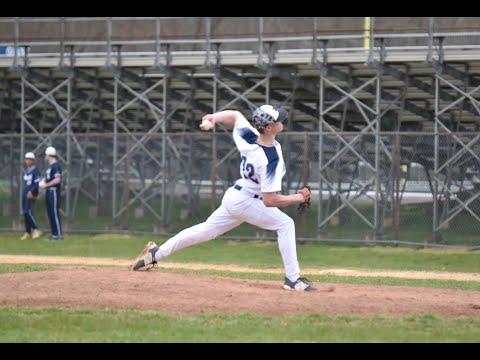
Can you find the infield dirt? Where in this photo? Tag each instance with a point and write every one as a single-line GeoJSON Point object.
{"type": "Point", "coordinates": [190, 294]}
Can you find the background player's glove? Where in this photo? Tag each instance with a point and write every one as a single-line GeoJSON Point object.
{"type": "Point", "coordinates": [32, 198]}
{"type": "Point", "coordinates": [306, 192]}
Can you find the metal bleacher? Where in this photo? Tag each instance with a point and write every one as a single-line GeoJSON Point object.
{"type": "Point", "coordinates": [351, 85]}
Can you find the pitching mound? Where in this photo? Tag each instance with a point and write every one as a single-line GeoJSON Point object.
{"type": "Point", "coordinates": [187, 294]}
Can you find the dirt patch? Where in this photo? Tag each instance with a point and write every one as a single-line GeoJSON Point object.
{"type": "Point", "coordinates": [94, 261]}
{"type": "Point", "coordinates": [188, 294]}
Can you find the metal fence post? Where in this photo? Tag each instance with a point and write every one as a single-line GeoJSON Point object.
{"type": "Point", "coordinates": [305, 175]}
{"type": "Point", "coordinates": [371, 39]}
{"type": "Point", "coordinates": [435, 160]}
{"type": "Point", "coordinates": [164, 149]}
{"type": "Point", "coordinates": [16, 30]}
{"type": "Point", "coordinates": [377, 217]}
{"type": "Point", "coordinates": [69, 153]}
{"type": "Point", "coordinates": [157, 43]}
{"type": "Point", "coordinates": [115, 150]}
{"type": "Point", "coordinates": [397, 187]}
{"type": "Point", "coordinates": [314, 41]}
{"type": "Point", "coordinates": [22, 141]}
{"type": "Point", "coordinates": [320, 152]}
{"type": "Point", "coordinates": [267, 88]}
{"type": "Point", "coordinates": [109, 43]}
{"type": "Point", "coordinates": [62, 42]}
{"type": "Point", "coordinates": [430, 40]}
{"type": "Point", "coordinates": [213, 175]}
{"type": "Point", "coordinates": [208, 29]}
{"type": "Point", "coordinates": [260, 41]}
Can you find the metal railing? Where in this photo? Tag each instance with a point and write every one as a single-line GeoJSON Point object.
{"type": "Point", "coordinates": [306, 35]}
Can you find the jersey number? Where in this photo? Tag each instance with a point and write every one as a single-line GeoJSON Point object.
{"type": "Point", "coordinates": [247, 170]}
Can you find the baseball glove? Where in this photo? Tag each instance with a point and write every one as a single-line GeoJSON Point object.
{"type": "Point", "coordinates": [306, 192]}
{"type": "Point", "coordinates": [32, 198]}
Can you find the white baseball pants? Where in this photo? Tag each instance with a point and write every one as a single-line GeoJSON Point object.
{"type": "Point", "coordinates": [238, 207]}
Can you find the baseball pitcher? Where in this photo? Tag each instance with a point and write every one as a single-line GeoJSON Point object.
{"type": "Point", "coordinates": [254, 198]}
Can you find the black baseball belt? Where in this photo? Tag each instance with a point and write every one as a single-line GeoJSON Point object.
{"type": "Point", "coordinates": [239, 188]}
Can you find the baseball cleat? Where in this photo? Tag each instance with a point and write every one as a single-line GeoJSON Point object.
{"type": "Point", "coordinates": [146, 257]}
{"type": "Point", "coordinates": [25, 236]}
{"type": "Point", "coordinates": [36, 234]}
{"type": "Point", "coordinates": [301, 284]}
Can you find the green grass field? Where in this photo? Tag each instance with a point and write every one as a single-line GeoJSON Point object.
{"type": "Point", "coordinates": [415, 225]}
{"type": "Point", "coordinates": [256, 254]}
{"type": "Point", "coordinates": [24, 324]}
{"type": "Point", "coordinates": [14, 268]}
{"type": "Point", "coordinates": [107, 325]}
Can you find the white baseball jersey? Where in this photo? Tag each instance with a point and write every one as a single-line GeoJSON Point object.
{"type": "Point", "coordinates": [262, 167]}
{"type": "Point", "coordinates": [261, 170]}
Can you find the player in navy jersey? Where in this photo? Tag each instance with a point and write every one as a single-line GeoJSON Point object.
{"type": "Point", "coordinates": [52, 183]}
{"type": "Point", "coordinates": [31, 178]}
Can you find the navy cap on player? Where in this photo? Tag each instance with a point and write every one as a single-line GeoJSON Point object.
{"type": "Point", "coordinates": [282, 114]}
{"type": "Point", "coordinates": [267, 114]}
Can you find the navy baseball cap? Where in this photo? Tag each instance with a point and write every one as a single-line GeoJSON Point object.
{"type": "Point", "coordinates": [282, 114]}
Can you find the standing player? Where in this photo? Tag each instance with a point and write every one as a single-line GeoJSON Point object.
{"type": "Point", "coordinates": [253, 199]}
{"type": "Point", "coordinates": [31, 178]}
{"type": "Point", "coordinates": [51, 183]}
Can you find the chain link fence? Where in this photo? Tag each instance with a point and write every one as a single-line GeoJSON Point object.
{"type": "Point", "coordinates": [136, 190]}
